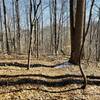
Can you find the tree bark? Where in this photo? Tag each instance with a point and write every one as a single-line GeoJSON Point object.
{"type": "Point", "coordinates": [51, 29]}
{"type": "Point", "coordinates": [17, 25]}
{"type": "Point", "coordinates": [77, 31]}
{"type": "Point", "coordinates": [54, 25]}
{"type": "Point", "coordinates": [30, 39]}
{"type": "Point", "coordinates": [5, 25]}
{"type": "Point", "coordinates": [1, 30]}
{"type": "Point", "coordinates": [13, 11]}
{"type": "Point", "coordinates": [32, 24]}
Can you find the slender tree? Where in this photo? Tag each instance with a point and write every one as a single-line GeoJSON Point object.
{"type": "Point", "coordinates": [32, 24]}
{"type": "Point", "coordinates": [13, 12]}
{"type": "Point", "coordinates": [5, 26]}
{"type": "Point", "coordinates": [27, 35]}
{"type": "Point", "coordinates": [42, 24]}
{"type": "Point", "coordinates": [98, 38]}
{"type": "Point", "coordinates": [1, 29]}
{"type": "Point", "coordinates": [51, 29]}
{"type": "Point", "coordinates": [31, 27]}
{"type": "Point", "coordinates": [17, 25]}
{"type": "Point", "coordinates": [54, 25]}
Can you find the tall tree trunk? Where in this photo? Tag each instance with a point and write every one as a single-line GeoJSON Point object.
{"type": "Point", "coordinates": [30, 39]}
{"type": "Point", "coordinates": [17, 25]}
{"type": "Point", "coordinates": [54, 25]}
{"type": "Point", "coordinates": [76, 50]}
{"type": "Point", "coordinates": [51, 30]}
{"type": "Point", "coordinates": [27, 35]}
{"type": "Point", "coordinates": [72, 29]}
{"type": "Point", "coordinates": [98, 39]}
{"type": "Point", "coordinates": [5, 25]}
{"type": "Point", "coordinates": [42, 32]}
{"type": "Point", "coordinates": [77, 30]}
{"type": "Point", "coordinates": [32, 24]}
{"type": "Point", "coordinates": [37, 38]}
{"type": "Point", "coordinates": [13, 11]}
{"type": "Point", "coordinates": [1, 30]}
{"type": "Point", "coordinates": [60, 28]}
{"type": "Point", "coordinates": [34, 8]}
{"type": "Point", "coordinates": [99, 35]}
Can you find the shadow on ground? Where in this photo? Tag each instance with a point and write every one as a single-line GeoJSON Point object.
{"type": "Point", "coordinates": [58, 81]}
{"type": "Point", "coordinates": [16, 64]}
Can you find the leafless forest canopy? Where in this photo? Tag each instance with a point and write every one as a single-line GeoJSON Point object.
{"type": "Point", "coordinates": [51, 29]}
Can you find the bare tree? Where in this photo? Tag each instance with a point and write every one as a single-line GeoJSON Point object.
{"type": "Point", "coordinates": [83, 42]}
{"type": "Point", "coordinates": [32, 24]}
{"type": "Point", "coordinates": [98, 38]}
{"type": "Point", "coordinates": [54, 24]}
{"type": "Point", "coordinates": [5, 25]}
{"type": "Point", "coordinates": [17, 25]}
{"type": "Point", "coordinates": [76, 32]}
{"type": "Point", "coordinates": [1, 29]}
{"type": "Point", "coordinates": [13, 11]}
{"type": "Point", "coordinates": [51, 29]}
{"type": "Point", "coordinates": [42, 32]}
{"type": "Point", "coordinates": [27, 35]}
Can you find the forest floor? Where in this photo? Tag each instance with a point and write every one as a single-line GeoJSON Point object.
{"type": "Point", "coordinates": [61, 82]}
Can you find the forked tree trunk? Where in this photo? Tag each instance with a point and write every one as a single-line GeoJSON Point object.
{"type": "Point", "coordinates": [32, 24]}
{"type": "Point", "coordinates": [76, 32]}
{"type": "Point", "coordinates": [79, 22]}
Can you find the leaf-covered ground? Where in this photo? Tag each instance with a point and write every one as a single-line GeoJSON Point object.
{"type": "Point", "coordinates": [61, 82]}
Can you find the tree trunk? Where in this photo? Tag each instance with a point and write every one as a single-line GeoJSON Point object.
{"type": "Point", "coordinates": [5, 25]}
{"type": "Point", "coordinates": [17, 25]}
{"type": "Point", "coordinates": [37, 39]}
{"type": "Point", "coordinates": [32, 24]}
{"type": "Point", "coordinates": [30, 39]}
{"type": "Point", "coordinates": [1, 30]}
{"type": "Point", "coordinates": [13, 11]}
{"type": "Point", "coordinates": [77, 30]}
{"type": "Point", "coordinates": [54, 25]}
{"type": "Point", "coordinates": [51, 30]}
{"type": "Point", "coordinates": [42, 24]}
